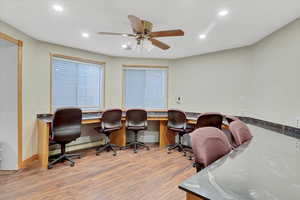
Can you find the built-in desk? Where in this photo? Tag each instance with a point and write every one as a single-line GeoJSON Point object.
{"type": "Point", "coordinates": [265, 169]}
{"type": "Point", "coordinates": [118, 137]}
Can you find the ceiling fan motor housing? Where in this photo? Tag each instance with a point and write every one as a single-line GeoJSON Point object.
{"type": "Point", "coordinates": [147, 26]}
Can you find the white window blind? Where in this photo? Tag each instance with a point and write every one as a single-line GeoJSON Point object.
{"type": "Point", "coordinates": [76, 84]}
{"type": "Point", "coordinates": [145, 88]}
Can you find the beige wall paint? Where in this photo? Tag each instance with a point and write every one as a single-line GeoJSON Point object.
{"type": "Point", "coordinates": [36, 79]}
{"type": "Point", "coordinates": [275, 86]}
{"type": "Point", "coordinates": [212, 82]}
{"type": "Point", "coordinates": [259, 81]}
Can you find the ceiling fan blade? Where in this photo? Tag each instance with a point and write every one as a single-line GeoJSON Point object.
{"type": "Point", "coordinates": [159, 44]}
{"type": "Point", "coordinates": [168, 33]}
{"type": "Point", "coordinates": [121, 34]}
{"type": "Point", "coordinates": [136, 24]}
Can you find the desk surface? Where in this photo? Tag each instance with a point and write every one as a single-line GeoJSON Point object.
{"type": "Point", "coordinates": [90, 116]}
{"type": "Point", "coordinates": [266, 168]}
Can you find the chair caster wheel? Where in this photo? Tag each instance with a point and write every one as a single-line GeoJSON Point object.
{"type": "Point", "coordinates": [135, 151]}
{"type": "Point", "coordinates": [169, 152]}
{"type": "Point", "coordinates": [50, 167]}
{"type": "Point", "coordinates": [97, 154]}
{"type": "Point", "coordinates": [184, 155]}
{"type": "Point", "coordinates": [190, 158]}
{"type": "Point", "coordinates": [114, 154]}
{"type": "Point", "coordinates": [148, 148]}
{"type": "Point", "coordinates": [72, 165]}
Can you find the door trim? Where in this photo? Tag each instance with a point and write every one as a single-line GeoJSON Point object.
{"type": "Point", "coordinates": [19, 43]}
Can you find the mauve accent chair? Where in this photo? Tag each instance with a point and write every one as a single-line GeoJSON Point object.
{"type": "Point", "coordinates": [136, 121]}
{"type": "Point", "coordinates": [210, 119]}
{"type": "Point", "coordinates": [208, 144]}
{"type": "Point", "coordinates": [66, 127]}
{"type": "Point", "coordinates": [240, 132]}
{"type": "Point", "coordinates": [177, 122]}
{"type": "Point", "coordinates": [111, 122]}
{"type": "Point", "coordinates": [230, 118]}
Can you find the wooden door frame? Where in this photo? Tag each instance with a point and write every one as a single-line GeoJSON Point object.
{"type": "Point", "coordinates": [19, 43]}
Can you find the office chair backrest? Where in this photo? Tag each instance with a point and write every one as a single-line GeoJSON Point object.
{"type": "Point", "coordinates": [240, 132]}
{"type": "Point", "coordinates": [136, 117]}
{"type": "Point", "coordinates": [210, 120]}
{"type": "Point", "coordinates": [209, 144]}
{"type": "Point", "coordinates": [230, 118]}
{"type": "Point", "coordinates": [111, 119]}
{"type": "Point", "coordinates": [176, 119]}
{"type": "Point", "coordinates": [66, 124]}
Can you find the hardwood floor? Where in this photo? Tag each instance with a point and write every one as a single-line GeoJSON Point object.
{"type": "Point", "coordinates": [147, 175]}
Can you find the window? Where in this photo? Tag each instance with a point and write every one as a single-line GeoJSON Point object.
{"type": "Point", "coordinates": [76, 84]}
{"type": "Point", "coordinates": [145, 87]}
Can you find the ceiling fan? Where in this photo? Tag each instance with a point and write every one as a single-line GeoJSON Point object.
{"type": "Point", "coordinates": [142, 31]}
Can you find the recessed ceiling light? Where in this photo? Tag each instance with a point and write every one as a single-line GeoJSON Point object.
{"type": "Point", "coordinates": [124, 46]}
{"type": "Point", "coordinates": [85, 35]}
{"type": "Point", "coordinates": [202, 36]}
{"type": "Point", "coordinates": [223, 13]}
{"type": "Point", "coordinates": [57, 8]}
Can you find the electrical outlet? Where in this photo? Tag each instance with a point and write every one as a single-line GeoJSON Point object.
{"type": "Point", "coordinates": [179, 100]}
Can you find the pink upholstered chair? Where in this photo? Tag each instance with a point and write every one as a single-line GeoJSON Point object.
{"type": "Point", "coordinates": [240, 132]}
{"type": "Point", "coordinates": [208, 144]}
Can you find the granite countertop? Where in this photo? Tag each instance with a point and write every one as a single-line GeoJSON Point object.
{"type": "Point", "coordinates": [86, 116]}
{"type": "Point", "coordinates": [266, 168]}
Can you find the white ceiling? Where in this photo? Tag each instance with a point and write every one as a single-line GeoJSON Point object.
{"type": "Point", "coordinates": [247, 22]}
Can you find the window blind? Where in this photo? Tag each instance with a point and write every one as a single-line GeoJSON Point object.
{"type": "Point", "coordinates": [76, 84]}
{"type": "Point", "coordinates": [145, 88]}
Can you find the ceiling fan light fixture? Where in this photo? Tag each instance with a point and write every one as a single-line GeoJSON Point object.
{"type": "Point", "coordinates": [57, 8]}
{"type": "Point", "coordinates": [148, 45]}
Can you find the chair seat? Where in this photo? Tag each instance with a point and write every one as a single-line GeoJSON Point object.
{"type": "Point", "coordinates": [181, 130]}
{"type": "Point", "coordinates": [136, 128]}
{"type": "Point", "coordinates": [107, 130]}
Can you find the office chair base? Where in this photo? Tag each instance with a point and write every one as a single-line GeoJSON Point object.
{"type": "Point", "coordinates": [64, 157]}
{"type": "Point", "coordinates": [136, 145]}
{"type": "Point", "coordinates": [107, 147]}
{"type": "Point", "coordinates": [178, 146]}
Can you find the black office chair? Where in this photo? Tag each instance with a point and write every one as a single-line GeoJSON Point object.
{"type": "Point", "coordinates": [66, 127]}
{"type": "Point", "coordinates": [177, 123]}
{"type": "Point", "coordinates": [136, 120]}
{"type": "Point", "coordinates": [210, 120]}
{"type": "Point", "coordinates": [111, 121]}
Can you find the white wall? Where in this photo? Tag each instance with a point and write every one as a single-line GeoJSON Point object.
{"type": "Point", "coordinates": [36, 80]}
{"type": "Point", "coordinates": [212, 82]}
{"type": "Point", "coordinates": [9, 106]}
{"type": "Point", "coordinates": [275, 85]}
{"type": "Point", "coordinates": [260, 80]}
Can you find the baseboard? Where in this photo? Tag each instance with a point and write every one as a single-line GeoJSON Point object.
{"type": "Point", "coordinates": [7, 172]}
{"type": "Point", "coordinates": [78, 147]}
{"type": "Point", "coordinates": [29, 161]}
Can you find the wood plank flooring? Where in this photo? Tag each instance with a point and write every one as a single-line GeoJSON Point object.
{"type": "Point", "coordinates": [147, 175]}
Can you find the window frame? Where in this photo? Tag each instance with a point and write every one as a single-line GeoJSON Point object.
{"type": "Point", "coordinates": [125, 66]}
{"type": "Point", "coordinates": [84, 61]}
